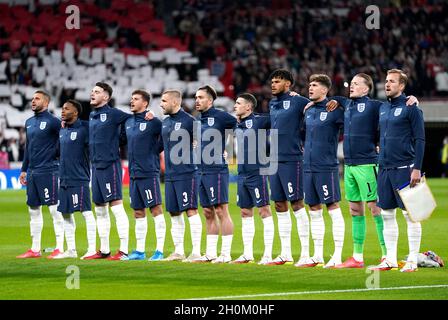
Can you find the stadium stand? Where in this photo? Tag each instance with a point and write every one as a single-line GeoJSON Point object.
{"type": "Point", "coordinates": [231, 45]}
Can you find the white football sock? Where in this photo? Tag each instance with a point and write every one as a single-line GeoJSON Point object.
{"type": "Point", "coordinates": [36, 225]}
{"type": "Point", "coordinates": [103, 225]}
{"type": "Point", "coordinates": [284, 230]}
{"type": "Point", "coordinates": [141, 229]}
{"type": "Point", "coordinates": [338, 233]}
{"type": "Point", "coordinates": [196, 233]}
{"type": "Point", "coordinates": [303, 229]}
{"type": "Point", "coordinates": [248, 233]}
{"type": "Point", "coordinates": [268, 232]}
{"type": "Point", "coordinates": [226, 245]}
{"type": "Point", "coordinates": [69, 231]}
{"type": "Point", "coordinates": [160, 226]}
{"type": "Point", "coordinates": [318, 232]}
{"type": "Point", "coordinates": [122, 221]}
{"type": "Point", "coordinates": [58, 224]}
{"type": "Point", "coordinates": [390, 233]}
{"type": "Point", "coordinates": [178, 233]}
{"type": "Point", "coordinates": [212, 244]}
{"type": "Point", "coordinates": [414, 237]}
{"type": "Point", "coordinates": [91, 230]}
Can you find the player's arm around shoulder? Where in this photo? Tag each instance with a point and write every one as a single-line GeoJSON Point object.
{"type": "Point", "coordinates": [300, 102]}
{"type": "Point", "coordinates": [119, 116]}
{"type": "Point", "coordinates": [229, 120]}
{"type": "Point", "coordinates": [56, 124]}
{"type": "Point", "coordinates": [415, 116]}
{"type": "Point", "coordinates": [156, 124]}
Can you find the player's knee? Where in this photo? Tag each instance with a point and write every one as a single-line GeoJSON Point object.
{"type": "Point", "coordinates": [246, 213]}
{"type": "Point", "coordinates": [374, 209]}
{"type": "Point", "coordinates": [222, 212]}
{"type": "Point", "coordinates": [265, 212]}
{"type": "Point", "coordinates": [115, 202]}
{"type": "Point", "coordinates": [192, 212]}
{"type": "Point", "coordinates": [139, 213]}
{"type": "Point", "coordinates": [209, 213]}
{"type": "Point", "coordinates": [281, 206]}
{"type": "Point", "coordinates": [357, 209]}
{"type": "Point", "coordinates": [156, 211]}
{"type": "Point", "coordinates": [297, 205]}
{"type": "Point", "coordinates": [332, 206]}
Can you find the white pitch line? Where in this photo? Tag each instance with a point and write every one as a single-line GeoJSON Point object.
{"type": "Point", "coordinates": [298, 293]}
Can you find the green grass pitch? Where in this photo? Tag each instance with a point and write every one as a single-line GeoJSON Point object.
{"type": "Point", "coordinates": [46, 279]}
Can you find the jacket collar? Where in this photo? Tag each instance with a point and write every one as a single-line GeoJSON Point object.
{"type": "Point", "coordinates": [75, 124]}
{"type": "Point", "coordinates": [400, 100]}
{"type": "Point", "coordinates": [208, 113]}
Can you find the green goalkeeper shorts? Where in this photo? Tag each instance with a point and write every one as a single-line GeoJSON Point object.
{"type": "Point", "coordinates": [360, 182]}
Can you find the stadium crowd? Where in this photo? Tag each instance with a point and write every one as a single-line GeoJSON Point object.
{"type": "Point", "coordinates": [239, 42]}
{"type": "Point", "coordinates": [320, 38]}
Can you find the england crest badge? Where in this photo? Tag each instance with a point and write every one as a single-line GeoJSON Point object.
{"type": "Point", "coordinates": [43, 125]}
{"type": "Point", "coordinates": [210, 122]}
{"type": "Point", "coordinates": [286, 104]}
{"type": "Point", "coordinates": [323, 116]}
{"type": "Point", "coordinates": [143, 126]}
{"type": "Point", "coordinates": [361, 107]}
{"type": "Point", "coordinates": [397, 112]}
{"type": "Point", "coordinates": [177, 125]}
{"type": "Point", "coordinates": [103, 117]}
{"type": "Point", "coordinates": [73, 136]}
{"type": "Point", "coordinates": [249, 124]}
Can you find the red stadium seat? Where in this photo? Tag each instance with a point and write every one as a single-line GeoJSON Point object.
{"type": "Point", "coordinates": [15, 45]}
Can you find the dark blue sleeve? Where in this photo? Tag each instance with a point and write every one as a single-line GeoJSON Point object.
{"type": "Point", "coordinates": [343, 101]}
{"type": "Point", "coordinates": [157, 125]}
{"type": "Point", "coordinates": [85, 124]}
{"type": "Point", "coordinates": [229, 121]}
{"type": "Point", "coordinates": [302, 102]}
{"type": "Point", "coordinates": [189, 125]}
{"type": "Point", "coordinates": [302, 130]}
{"type": "Point", "coordinates": [122, 139]}
{"type": "Point", "coordinates": [58, 148]}
{"type": "Point", "coordinates": [264, 120]}
{"type": "Point", "coordinates": [56, 125]}
{"type": "Point", "coordinates": [26, 160]}
{"type": "Point", "coordinates": [160, 146]}
{"type": "Point", "coordinates": [418, 133]}
{"type": "Point", "coordinates": [376, 103]}
{"type": "Point", "coordinates": [340, 118]}
{"type": "Point", "coordinates": [120, 116]}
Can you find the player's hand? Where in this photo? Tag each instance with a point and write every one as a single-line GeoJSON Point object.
{"type": "Point", "coordinates": [309, 105]}
{"type": "Point", "coordinates": [411, 100]}
{"type": "Point", "coordinates": [332, 105]}
{"type": "Point", "coordinates": [22, 178]}
{"type": "Point", "coordinates": [416, 176]}
{"type": "Point", "coordinates": [62, 124]}
{"type": "Point", "coordinates": [377, 149]}
{"type": "Point", "coordinates": [293, 94]}
{"type": "Point", "coordinates": [149, 116]}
